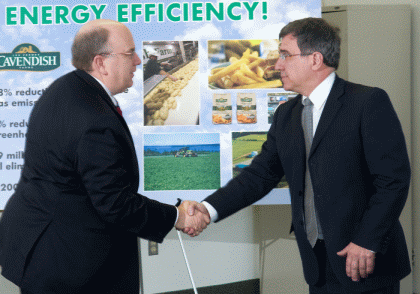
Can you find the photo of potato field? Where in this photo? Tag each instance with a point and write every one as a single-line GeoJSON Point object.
{"type": "Point", "coordinates": [245, 146]}
{"type": "Point", "coordinates": [181, 167]}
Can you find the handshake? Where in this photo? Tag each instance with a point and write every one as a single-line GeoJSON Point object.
{"type": "Point", "coordinates": [193, 218]}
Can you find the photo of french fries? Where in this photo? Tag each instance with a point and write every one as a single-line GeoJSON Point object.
{"type": "Point", "coordinates": [247, 64]}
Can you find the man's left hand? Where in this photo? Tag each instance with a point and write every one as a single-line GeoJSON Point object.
{"type": "Point", "coordinates": [360, 261]}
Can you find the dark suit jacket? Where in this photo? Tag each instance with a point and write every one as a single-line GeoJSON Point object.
{"type": "Point", "coordinates": [360, 175]}
{"type": "Point", "coordinates": [72, 224]}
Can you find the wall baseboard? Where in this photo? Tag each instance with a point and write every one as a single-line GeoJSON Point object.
{"type": "Point", "coordinates": [242, 287]}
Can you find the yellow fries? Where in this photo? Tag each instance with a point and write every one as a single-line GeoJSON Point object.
{"type": "Point", "coordinates": [256, 63]}
{"type": "Point", "coordinates": [242, 79]}
{"type": "Point", "coordinates": [227, 70]}
{"type": "Point", "coordinates": [260, 71]}
{"type": "Point", "coordinates": [215, 70]}
{"type": "Point", "coordinates": [248, 72]}
{"type": "Point", "coordinates": [269, 84]}
{"type": "Point", "coordinates": [233, 59]}
{"type": "Point", "coordinates": [244, 73]}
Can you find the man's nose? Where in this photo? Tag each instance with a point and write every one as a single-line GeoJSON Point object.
{"type": "Point", "coordinates": [279, 64]}
{"type": "Point", "coordinates": [137, 59]}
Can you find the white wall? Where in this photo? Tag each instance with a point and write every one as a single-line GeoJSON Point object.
{"type": "Point", "coordinates": [254, 243]}
{"type": "Point", "coordinates": [280, 263]}
{"type": "Point", "coordinates": [7, 287]}
{"type": "Point", "coordinates": [226, 252]}
{"type": "Point", "coordinates": [415, 113]}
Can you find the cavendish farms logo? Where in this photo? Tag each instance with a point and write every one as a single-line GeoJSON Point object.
{"type": "Point", "coordinates": [27, 57]}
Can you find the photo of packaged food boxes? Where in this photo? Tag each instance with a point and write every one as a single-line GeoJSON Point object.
{"type": "Point", "coordinates": [222, 109]}
{"type": "Point", "coordinates": [246, 108]}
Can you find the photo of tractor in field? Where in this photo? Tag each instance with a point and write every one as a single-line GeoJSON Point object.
{"type": "Point", "coordinates": [165, 169]}
{"type": "Point", "coordinates": [184, 152]}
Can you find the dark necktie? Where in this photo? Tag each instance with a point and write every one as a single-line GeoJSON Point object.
{"type": "Point", "coordinates": [311, 222]}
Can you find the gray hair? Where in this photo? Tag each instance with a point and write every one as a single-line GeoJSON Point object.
{"type": "Point", "coordinates": [315, 35]}
{"type": "Point", "coordinates": [87, 45]}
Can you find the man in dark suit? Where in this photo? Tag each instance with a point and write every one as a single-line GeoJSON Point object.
{"type": "Point", "coordinates": [73, 222]}
{"type": "Point", "coordinates": [344, 155]}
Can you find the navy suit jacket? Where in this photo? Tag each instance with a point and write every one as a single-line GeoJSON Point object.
{"type": "Point", "coordinates": [360, 174]}
{"type": "Point", "coordinates": [72, 224]}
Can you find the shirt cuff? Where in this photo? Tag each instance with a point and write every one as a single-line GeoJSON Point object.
{"type": "Point", "coordinates": [213, 213]}
{"type": "Point", "coordinates": [177, 215]}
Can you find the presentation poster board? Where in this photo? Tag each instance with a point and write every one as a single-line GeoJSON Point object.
{"type": "Point", "coordinates": [222, 54]}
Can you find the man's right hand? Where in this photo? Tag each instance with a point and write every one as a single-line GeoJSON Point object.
{"type": "Point", "coordinates": [195, 208]}
{"type": "Point", "coordinates": [192, 221]}
{"type": "Point", "coordinates": [173, 78]}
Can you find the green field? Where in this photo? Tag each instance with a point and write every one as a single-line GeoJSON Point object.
{"type": "Point", "coordinates": [182, 173]}
{"type": "Point", "coordinates": [243, 146]}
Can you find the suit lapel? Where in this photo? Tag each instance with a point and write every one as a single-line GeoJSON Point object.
{"type": "Point", "coordinates": [332, 105]}
{"type": "Point", "coordinates": [98, 88]}
{"type": "Point", "coordinates": [298, 141]}
{"type": "Point", "coordinates": [104, 95]}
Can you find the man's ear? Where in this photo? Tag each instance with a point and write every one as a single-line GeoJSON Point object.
{"type": "Point", "coordinates": [317, 60]}
{"type": "Point", "coordinates": [99, 65]}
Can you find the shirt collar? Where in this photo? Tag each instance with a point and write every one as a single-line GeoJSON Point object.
{"type": "Point", "coordinates": [107, 91]}
{"type": "Point", "coordinates": [321, 92]}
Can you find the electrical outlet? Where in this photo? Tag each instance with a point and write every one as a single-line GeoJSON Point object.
{"type": "Point", "coordinates": [153, 248]}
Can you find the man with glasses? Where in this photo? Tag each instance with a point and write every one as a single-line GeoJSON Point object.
{"type": "Point", "coordinates": [343, 152]}
{"type": "Point", "coordinates": [72, 224]}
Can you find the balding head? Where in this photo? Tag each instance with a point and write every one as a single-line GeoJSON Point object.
{"type": "Point", "coordinates": [106, 50]}
{"type": "Point", "coordinates": [91, 40]}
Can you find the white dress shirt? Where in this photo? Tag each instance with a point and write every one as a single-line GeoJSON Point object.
{"type": "Point", "coordinates": [319, 97]}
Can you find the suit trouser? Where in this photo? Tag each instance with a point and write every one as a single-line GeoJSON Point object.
{"type": "Point", "coordinates": [328, 283]}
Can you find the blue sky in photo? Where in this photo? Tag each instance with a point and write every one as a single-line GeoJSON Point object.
{"type": "Point", "coordinates": [161, 139]}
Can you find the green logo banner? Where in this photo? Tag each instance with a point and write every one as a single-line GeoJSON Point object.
{"type": "Point", "coordinates": [27, 57]}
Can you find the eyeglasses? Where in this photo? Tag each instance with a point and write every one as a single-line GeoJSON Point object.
{"type": "Point", "coordinates": [130, 54]}
{"type": "Point", "coordinates": [284, 55]}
